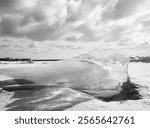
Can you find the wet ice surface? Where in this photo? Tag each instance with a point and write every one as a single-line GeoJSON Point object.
{"type": "Point", "coordinates": [62, 97]}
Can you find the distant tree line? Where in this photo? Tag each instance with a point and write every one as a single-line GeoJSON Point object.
{"type": "Point", "coordinates": [140, 59]}
{"type": "Point", "coordinates": [132, 59]}
{"type": "Point", "coordinates": [16, 59]}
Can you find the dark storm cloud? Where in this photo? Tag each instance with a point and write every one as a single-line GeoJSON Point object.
{"type": "Point", "coordinates": [8, 3]}
{"type": "Point", "coordinates": [8, 26]}
{"type": "Point", "coordinates": [9, 6]}
{"type": "Point", "coordinates": [33, 22]}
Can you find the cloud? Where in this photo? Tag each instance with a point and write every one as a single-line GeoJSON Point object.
{"type": "Point", "coordinates": [88, 33]}
{"type": "Point", "coordinates": [5, 45]}
{"type": "Point", "coordinates": [43, 20]}
{"type": "Point", "coordinates": [72, 38]}
{"type": "Point", "coordinates": [33, 45]}
{"type": "Point", "coordinates": [145, 44]}
{"type": "Point", "coordinates": [74, 7]}
{"type": "Point", "coordinates": [36, 22]}
{"type": "Point", "coordinates": [35, 14]}
{"type": "Point", "coordinates": [115, 34]}
{"type": "Point", "coordinates": [146, 26]}
{"type": "Point", "coordinates": [9, 6]}
{"type": "Point", "coordinates": [76, 20]}
{"type": "Point", "coordinates": [8, 26]}
{"type": "Point", "coordinates": [121, 9]}
{"type": "Point", "coordinates": [146, 23]}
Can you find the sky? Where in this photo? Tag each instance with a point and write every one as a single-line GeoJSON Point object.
{"type": "Point", "coordinates": [66, 28]}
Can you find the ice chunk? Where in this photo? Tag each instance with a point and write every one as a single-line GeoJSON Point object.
{"type": "Point", "coordinates": [108, 70]}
